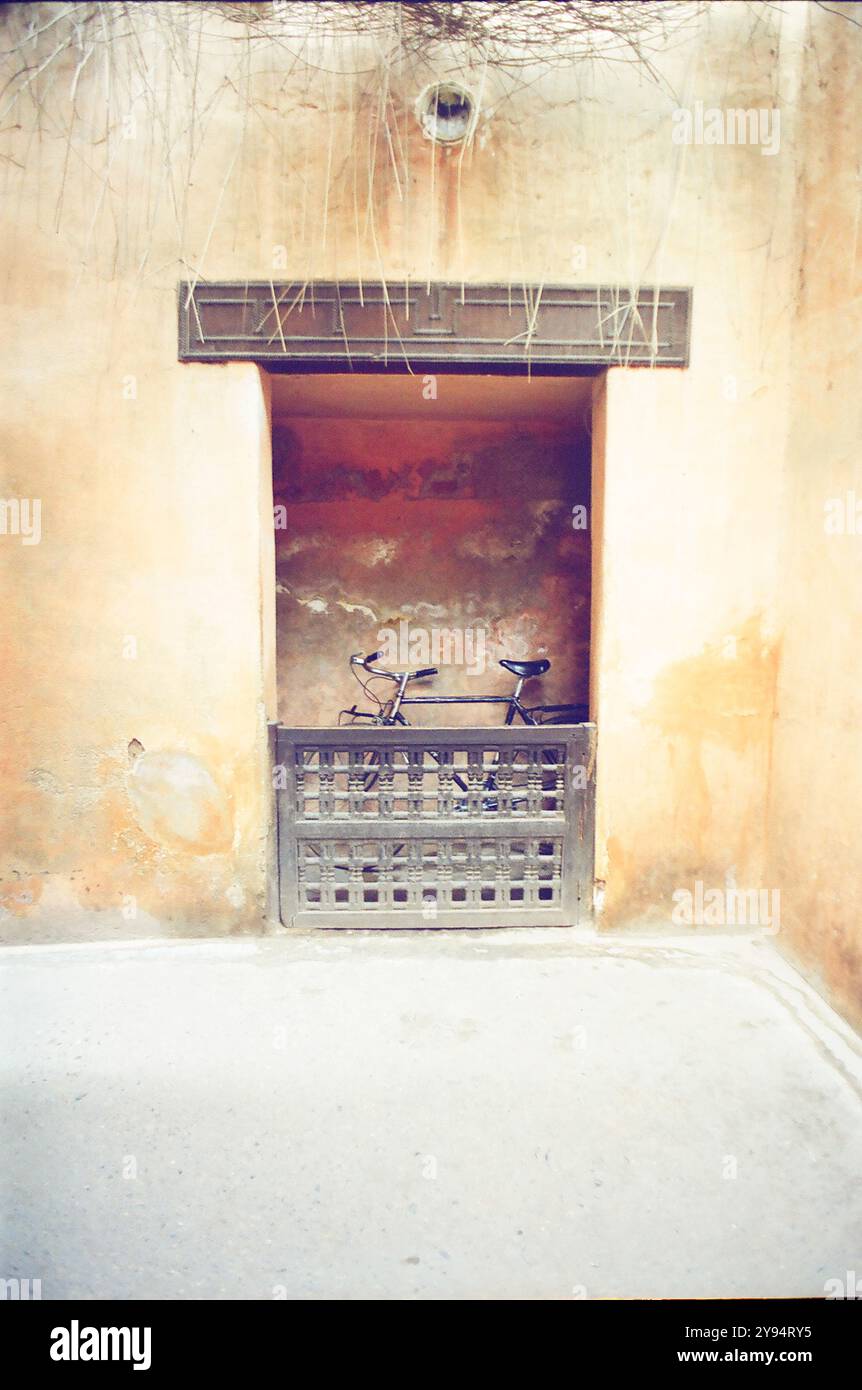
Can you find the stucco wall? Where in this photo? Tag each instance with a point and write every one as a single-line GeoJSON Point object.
{"type": "Point", "coordinates": [135, 695]}
{"type": "Point", "coordinates": [686, 664]}
{"type": "Point", "coordinates": [815, 805]}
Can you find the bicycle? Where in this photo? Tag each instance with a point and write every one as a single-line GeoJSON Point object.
{"type": "Point", "coordinates": [389, 712]}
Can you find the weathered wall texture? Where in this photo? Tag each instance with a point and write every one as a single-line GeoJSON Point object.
{"type": "Point", "coordinates": [686, 664]}
{"type": "Point", "coordinates": [457, 539]}
{"type": "Point", "coordinates": [134, 621]}
{"type": "Point", "coordinates": [815, 802]}
{"type": "Point", "coordinates": [723, 678]}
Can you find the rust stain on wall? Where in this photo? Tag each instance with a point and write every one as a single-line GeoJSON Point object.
{"type": "Point", "coordinates": [724, 695]}
{"type": "Point", "coordinates": [714, 711]}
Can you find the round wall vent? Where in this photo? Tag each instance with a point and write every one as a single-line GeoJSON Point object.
{"type": "Point", "coordinates": [447, 112]}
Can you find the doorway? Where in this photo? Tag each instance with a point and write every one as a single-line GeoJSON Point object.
{"type": "Point", "coordinates": [442, 521]}
{"type": "Point", "coordinates": [384, 338]}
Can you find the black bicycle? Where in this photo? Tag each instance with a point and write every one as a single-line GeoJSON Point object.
{"type": "Point", "coordinates": [389, 713]}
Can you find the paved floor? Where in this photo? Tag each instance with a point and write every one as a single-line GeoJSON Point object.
{"type": "Point", "coordinates": [440, 1115]}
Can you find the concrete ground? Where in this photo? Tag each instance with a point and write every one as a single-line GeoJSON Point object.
{"type": "Point", "coordinates": [522, 1114]}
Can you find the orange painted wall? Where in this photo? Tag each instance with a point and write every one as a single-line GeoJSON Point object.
{"type": "Point", "coordinates": [815, 793]}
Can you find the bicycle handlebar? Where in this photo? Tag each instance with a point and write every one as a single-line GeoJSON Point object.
{"type": "Point", "coordinates": [365, 661]}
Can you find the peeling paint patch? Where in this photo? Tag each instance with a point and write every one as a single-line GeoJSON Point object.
{"type": "Point", "coordinates": [376, 552]}
{"type": "Point", "coordinates": [178, 803]}
{"type": "Point", "coordinates": [17, 897]}
{"type": "Point", "coordinates": [317, 605]}
{"type": "Point", "coordinates": [358, 608]}
{"type": "Point", "coordinates": [297, 544]}
{"type": "Point", "coordinates": [46, 781]}
{"type": "Point", "coordinates": [430, 610]}
{"type": "Point", "coordinates": [235, 895]}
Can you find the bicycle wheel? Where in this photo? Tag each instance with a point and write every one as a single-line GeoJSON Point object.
{"type": "Point", "coordinates": [561, 714]}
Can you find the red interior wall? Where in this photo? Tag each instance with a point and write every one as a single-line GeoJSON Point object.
{"type": "Point", "coordinates": [463, 525]}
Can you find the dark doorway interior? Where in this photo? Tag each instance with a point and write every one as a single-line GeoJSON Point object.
{"type": "Point", "coordinates": [438, 513]}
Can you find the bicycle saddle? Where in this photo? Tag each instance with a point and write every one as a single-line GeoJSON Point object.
{"type": "Point", "coordinates": [527, 668]}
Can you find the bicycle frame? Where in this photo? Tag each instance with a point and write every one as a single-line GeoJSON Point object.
{"type": "Point", "coordinates": [394, 715]}
{"type": "Point", "coordinates": [389, 711]}
{"type": "Point", "coordinates": [513, 701]}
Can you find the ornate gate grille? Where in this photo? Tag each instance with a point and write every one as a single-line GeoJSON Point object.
{"type": "Point", "coordinates": [435, 828]}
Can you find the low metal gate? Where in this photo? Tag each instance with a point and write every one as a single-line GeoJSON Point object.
{"type": "Point", "coordinates": [405, 827]}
